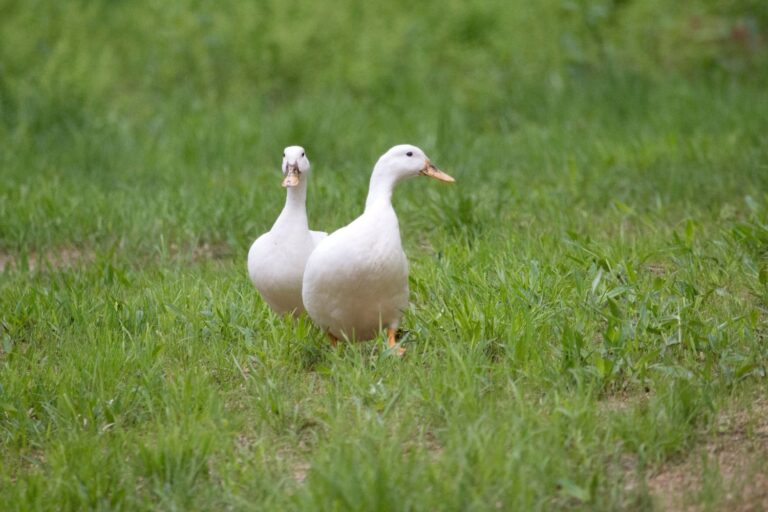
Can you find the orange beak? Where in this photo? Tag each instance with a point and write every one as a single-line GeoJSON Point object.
{"type": "Point", "coordinates": [433, 172]}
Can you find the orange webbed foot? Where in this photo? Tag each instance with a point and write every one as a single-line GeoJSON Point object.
{"type": "Point", "coordinates": [392, 342]}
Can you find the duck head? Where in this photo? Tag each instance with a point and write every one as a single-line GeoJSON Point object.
{"type": "Point", "coordinates": [406, 161]}
{"type": "Point", "coordinates": [295, 165]}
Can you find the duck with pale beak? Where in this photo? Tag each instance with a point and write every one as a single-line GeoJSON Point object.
{"type": "Point", "coordinates": [291, 168]}
{"type": "Point", "coordinates": [277, 258]}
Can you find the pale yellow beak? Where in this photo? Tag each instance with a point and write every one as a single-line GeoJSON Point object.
{"type": "Point", "coordinates": [292, 176]}
{"type": "Point", "coordinates": [433, 172]}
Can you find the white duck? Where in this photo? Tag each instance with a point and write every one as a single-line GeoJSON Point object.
{"type": "Point", "coordinates": [276, 259]}
{"type": "Point", "coordinates": [356, 280]}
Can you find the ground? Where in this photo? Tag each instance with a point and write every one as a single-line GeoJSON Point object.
{"type": "Point", "coordinates": [588, 301]}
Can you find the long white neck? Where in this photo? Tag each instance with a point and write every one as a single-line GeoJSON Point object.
{"type": "Point", "coordinates": [381, 186]}
{"type": "Point", "coordinates": [294, 214]}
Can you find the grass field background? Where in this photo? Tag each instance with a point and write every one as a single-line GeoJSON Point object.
{"type": "Point", "coordinates": [588, 302]}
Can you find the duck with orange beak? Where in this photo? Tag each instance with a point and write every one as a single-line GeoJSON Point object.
{"type": "Point", "coordinates": [356, 280]}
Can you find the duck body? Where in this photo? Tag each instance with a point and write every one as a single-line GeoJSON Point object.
{"type": "Point", "coordinates": [276, 260]}
{"type": "Point", "coordinates": [368, 288]}
{"type": "Point", "coordinates": [276, 263]}
{"type": "Point", "coordinates": [356, 280]}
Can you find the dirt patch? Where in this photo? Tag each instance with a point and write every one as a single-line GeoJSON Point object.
{"type": "Point", "coordinates": [428, 442]}
{"type": "Point", "coordinates": [62, 257]}
{"type": "Point", "coordinates": [656, 269]}
{"type": "Point", "coordinates": [300, 470]}
{"type": "Point", "coordinates": [200, 252]}
{"type": "Point", "coordinates": [295, 463]}
{"type": "Point", "coordinates": [5, 260]}
{"type": "Point", "coordinates": [70, 257]}
{"type": "Point", "coordinates": [735, 459]}
{"type": "Point", "coordinates": [622, 401]}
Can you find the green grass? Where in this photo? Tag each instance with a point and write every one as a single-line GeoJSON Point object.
{"type": "Point", "coordinates": [588, 300]}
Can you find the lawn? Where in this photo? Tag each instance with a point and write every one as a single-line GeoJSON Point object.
{"type": "Point", "coordinates": [589, 301]}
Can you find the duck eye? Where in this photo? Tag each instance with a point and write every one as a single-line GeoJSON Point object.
{"type": "Point", "coordinates": [410, 153]}
{"type": "Point", "coordinates": [302, 154]}
{"type": "Point", "coordinates": [283, 155]}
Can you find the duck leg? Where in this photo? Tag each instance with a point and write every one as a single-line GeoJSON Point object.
{"type": "Point", "coordinates": [392, 342]}
{"type": "Point", "coordinates": [334, 340]}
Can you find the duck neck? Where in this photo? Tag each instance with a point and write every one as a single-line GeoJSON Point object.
{"type": "Point", "coordinates": [380, 189]}
{"type": "Point", "coordinates": [294, 212]}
